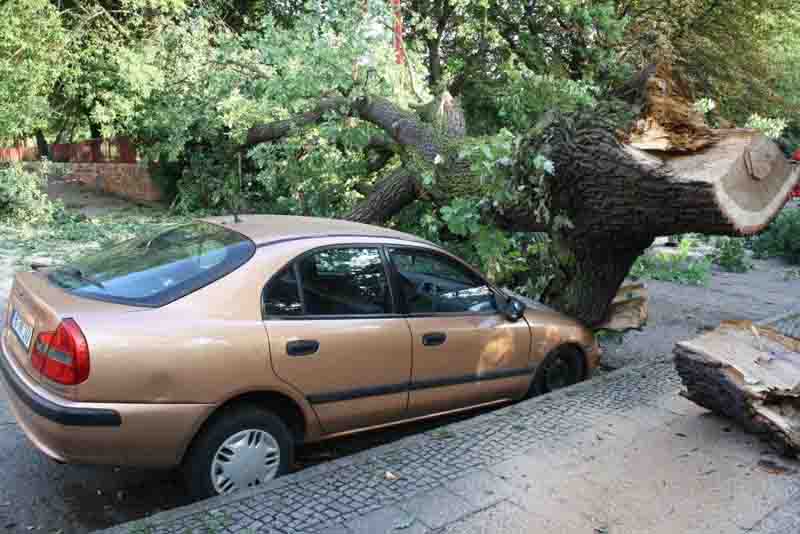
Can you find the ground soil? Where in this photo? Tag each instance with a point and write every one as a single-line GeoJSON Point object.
{"type": "Point", "coordinates": [78, 197]}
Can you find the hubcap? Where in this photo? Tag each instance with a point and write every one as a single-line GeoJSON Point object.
{"type": "Point", "coordinates": [245, 460]}
{"type": "Point", "coordinates": [558, 374]}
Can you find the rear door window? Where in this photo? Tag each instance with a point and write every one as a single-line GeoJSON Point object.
{"type": "Point", "coordinates": [157, 269]}
{"type": "Point", "coordinates": [348, 281]}
{"type": "Point", "coordinates": [344, 281]}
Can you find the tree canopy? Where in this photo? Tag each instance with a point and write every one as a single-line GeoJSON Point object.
{"type": "Point", "coordinates": [301, 107]}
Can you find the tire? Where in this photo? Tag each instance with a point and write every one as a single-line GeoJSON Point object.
{"type": "Point", "coordinates": [571, 363]}
{"type": "Point", "coordinates": [255, 434]}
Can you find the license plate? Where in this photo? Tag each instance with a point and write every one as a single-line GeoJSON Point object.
{"type": "Point", "coordinates": [22, 329]}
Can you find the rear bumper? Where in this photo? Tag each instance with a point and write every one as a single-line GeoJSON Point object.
{"type": "Point", "coordinates": [143, 435]}
{"type": "Point", "coordinates": [50, 410]}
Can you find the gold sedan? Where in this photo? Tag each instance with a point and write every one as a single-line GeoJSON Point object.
{"type": "Point", "coordinates": [218, 346]}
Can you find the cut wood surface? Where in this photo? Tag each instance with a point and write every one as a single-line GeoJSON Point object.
{"type": "Point", "coordinates": [750, 373]}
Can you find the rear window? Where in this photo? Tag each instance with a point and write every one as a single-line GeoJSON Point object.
{"type": "Point", "coordinates": [157, 269]}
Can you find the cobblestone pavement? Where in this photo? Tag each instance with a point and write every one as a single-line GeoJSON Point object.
{"type": "Point", "coordinates": [354, 494]}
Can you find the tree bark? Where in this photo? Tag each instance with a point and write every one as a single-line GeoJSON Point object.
{"type": "Point", "coordinates": [589, 275]}
{"type": "Point", "coordinates": [279, 129]}
{"type": "Point", "coordinates": [41, 145]}
{"type": "Point", "coordinates": [616, 199]}
{"type": "Point", "coordinates": [379, 152]}
{"type": "Point", "coordinates": [434, 62]}
{"type": "Point", "coordinates": [391, 194]}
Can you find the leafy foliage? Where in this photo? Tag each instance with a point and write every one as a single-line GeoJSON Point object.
{"type": "Point", "coordinates": [68, 235]}
{"type": "Point", "coordinates": [679, 267]}
{"type": "Point", "coordinates": [23, 199]}
{"type": "Point", "coordinates": [784, 50]}
{"type": "Point", "coordinates": [731, 255]}
{"type": "Point", "coordinates": [781, 238]}
{"type": "Point", "coordinates": [187, 78]}
{"type": "Point", "coordinates": [772, 127]}
{"type": "Point", "coordinates": [728, 49]}
{"type": "Point", "coordinates": [31, 42]}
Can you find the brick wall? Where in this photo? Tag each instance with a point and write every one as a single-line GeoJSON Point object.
{"type": "Point", "coordinates": [127, 180]}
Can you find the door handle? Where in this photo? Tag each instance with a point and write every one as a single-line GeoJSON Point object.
{"type": "Point", "coordinates": [302, 347]}
{"type": "Point", "coordinates": [434, 338]}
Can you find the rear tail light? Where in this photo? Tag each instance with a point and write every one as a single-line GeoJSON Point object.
{"type": "Point", "coordinates": [63, 355]}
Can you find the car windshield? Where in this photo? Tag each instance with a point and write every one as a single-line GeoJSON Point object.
{"type": "Point", "coordinates": [157, 269]}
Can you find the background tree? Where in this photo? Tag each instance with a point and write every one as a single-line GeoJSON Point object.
{"type": "Point", "coordinates": [32, 41]}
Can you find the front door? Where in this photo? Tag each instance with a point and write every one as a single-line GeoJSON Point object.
{"type": "Point", "coordinates": [465, 352]}
{"type": "Point", "coordinates": [334, 336]}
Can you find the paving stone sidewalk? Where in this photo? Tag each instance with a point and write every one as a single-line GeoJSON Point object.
{"type": "Point", "coordinates": [468, 474]}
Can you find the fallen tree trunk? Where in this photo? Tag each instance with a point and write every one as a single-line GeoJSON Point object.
{"type": "Point", "coordinates": [609, 195]}
{"type": "Point", "coordinates": [750, 374]}
{"type": "Point", "coordinates": [670, 174]}
{"type": "Point", "coordinates": [617, 199]}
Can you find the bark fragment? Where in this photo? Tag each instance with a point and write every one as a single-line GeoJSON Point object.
{"type": "Point", "coordinates": [628, 310]}
{"type": "Point", "coordinates": [391, 194]}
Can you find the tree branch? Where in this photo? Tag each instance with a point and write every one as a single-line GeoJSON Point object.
{"type": "Point", "coordinates": [405, 127]}
{"type": "Point", "coordinates": [274, 131]}
{"type": "Point", "coordinates": [379, 151]}
{"type": "Point", "coordinates": [391, 194]}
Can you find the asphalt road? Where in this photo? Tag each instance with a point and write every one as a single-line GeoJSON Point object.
{"type": "Point", "coordinates": [40, 495]}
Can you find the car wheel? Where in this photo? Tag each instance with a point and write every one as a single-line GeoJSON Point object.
{"type": "Point", "coordinates": [242, 448]}
{"type": "Point", "coordinates": [561, 368]}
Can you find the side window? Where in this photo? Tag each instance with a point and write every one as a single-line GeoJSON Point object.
{"type": "Point", "coordinates": [431, 283]}
{"type": "Point", "coordinates": [282, 297]}
{"type": "Point", "coordinates": [344, 281]}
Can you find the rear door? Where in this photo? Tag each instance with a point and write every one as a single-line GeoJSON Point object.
{"type": "Point", "coordinates": [334, 335]}
{"type": "Point", "coordinates": [465, 352]}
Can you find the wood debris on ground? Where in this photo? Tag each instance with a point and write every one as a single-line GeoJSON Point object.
{"type": "Point", "coordinates": [628, 309]}
{"type": "Point", "coordinates": [750, 373]}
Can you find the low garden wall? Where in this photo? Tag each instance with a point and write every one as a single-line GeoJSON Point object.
{"type": "Point", "coordinates": [127, 180]}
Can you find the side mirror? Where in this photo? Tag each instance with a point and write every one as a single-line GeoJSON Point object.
{"type": "Point", "coordinates": [514, 310]}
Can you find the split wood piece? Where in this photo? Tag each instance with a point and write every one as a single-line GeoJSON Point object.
{"type": "Point", "coordinates": [749, 373]}
{"type": "Point", "coordinates": [628, 310]}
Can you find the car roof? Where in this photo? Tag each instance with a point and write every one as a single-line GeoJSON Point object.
{"type": "Point", "coordinates": [263, 229]}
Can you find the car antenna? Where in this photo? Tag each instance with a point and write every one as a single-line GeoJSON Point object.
{"type": "Point", "coordinates": [236, 218]}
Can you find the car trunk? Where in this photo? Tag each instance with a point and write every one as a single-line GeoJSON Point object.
{"type": "Point", "coordinates": [40, 306]}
